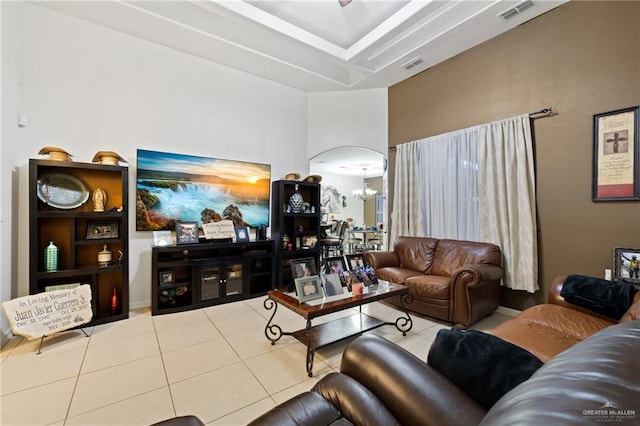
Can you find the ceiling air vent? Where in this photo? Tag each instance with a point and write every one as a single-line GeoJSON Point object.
{"type": "Point", "coordinates": [412, 63]}
{"type": "Point", "coordinates": [515, 10]}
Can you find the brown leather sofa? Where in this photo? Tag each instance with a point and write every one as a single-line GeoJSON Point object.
{"type": "Point", "coordinates": [456, 281]}
{"type": "Point", "coordinates": [546, 330]}
{"type": "Point", "coordinates": [380, 383]}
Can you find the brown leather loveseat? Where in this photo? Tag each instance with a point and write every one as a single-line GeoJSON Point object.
{"type": "Point", "coordinates": [456, 281]}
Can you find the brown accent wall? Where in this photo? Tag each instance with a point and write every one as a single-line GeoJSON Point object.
{"type": "Point", "coordinates": [582, 58]}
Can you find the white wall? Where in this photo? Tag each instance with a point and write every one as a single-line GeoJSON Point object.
{"type": "Point", "coordinates": [357, 118]}
{"type": "Point", "coordinates": [86, 88]}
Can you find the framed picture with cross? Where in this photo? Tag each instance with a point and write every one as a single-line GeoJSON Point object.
{"type": "Point", "coordinates": [616, 155]}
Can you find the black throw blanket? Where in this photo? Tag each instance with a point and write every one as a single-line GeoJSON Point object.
{"type": "Point", "coordinates": [609, 298]}
{"type": "Point", "coordinates": [482, 365]}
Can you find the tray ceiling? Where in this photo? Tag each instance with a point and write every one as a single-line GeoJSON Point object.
{"type": "Point", "coordinates": [312, 45]}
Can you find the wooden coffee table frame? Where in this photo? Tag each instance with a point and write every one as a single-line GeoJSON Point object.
{"type": "Point", "coordinates": [321, 335]}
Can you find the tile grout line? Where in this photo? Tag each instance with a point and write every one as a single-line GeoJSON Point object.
{"type": "Point", "coordinates": [164, 367]}
{"type": "Point", "coordinates": [75, 385]}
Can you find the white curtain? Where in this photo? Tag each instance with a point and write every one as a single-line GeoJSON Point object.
{"type": "Point", "coordinates": [508, 198]}
{"type": "Point", "coordinates": [407, 212]}
{"type": "Point", "coordinates": [450, 185]}
{"type": "Point", "coordinates": [475, 184]}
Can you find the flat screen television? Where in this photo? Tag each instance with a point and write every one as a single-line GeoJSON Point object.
{"type": "Point", "coordinates": [187, 188]}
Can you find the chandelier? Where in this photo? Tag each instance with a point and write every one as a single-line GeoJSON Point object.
{"type": "Point", "coordinates": [365, 193]}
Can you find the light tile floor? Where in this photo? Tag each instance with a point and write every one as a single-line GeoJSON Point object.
{"type": "Point", "coordinates": [215, 363]}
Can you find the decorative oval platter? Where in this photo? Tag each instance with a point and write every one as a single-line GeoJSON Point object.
{"type": "Point", "coordinates": [62, 191]}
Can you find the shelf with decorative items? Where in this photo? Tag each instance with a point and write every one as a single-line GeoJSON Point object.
{"type": "Point", "coordinates": [295, 225]}
{"type": "Point", "coordinates": [78, 232]}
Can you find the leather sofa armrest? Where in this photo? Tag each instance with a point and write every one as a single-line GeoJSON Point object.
{"type": "Point", "coordinates": [480, 273]}
{"type": "Point", "coordinates": [410, 389]}
{"type": "Point", "coordinates": [305, 409]}
{"type": "Point", "coordinates": [381, 259]}
{"type": "Point", "coordinates": [554, 297]}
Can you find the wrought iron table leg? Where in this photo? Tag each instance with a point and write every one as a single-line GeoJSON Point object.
{"type": "Point", "coordinates": [310, 349]}
{"type": "Point", "coordinates": [271, 331]}
{"type": "Point", "coordinates": [405, 324]}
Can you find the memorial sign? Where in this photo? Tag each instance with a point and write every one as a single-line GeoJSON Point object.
{"type": "Point", "coordinates": [51, 312]}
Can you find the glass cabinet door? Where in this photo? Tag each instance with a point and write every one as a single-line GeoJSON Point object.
{"type": "Point", "coordinates": [210, 281]}
{"type": "Point", "coordinates": [233, 279]}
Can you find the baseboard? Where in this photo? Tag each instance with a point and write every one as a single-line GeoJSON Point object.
{"type": "Point", "coordinates": [140, 305]}
{"type": "Point", "coordinates": [508, 311]}
{"type": "Point", "coordinates": [5, 337]}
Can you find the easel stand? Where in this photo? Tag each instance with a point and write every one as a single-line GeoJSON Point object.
{"type": "Point", "coordinates": [42, 340]}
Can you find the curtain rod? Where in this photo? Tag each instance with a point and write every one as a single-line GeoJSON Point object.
{"type": "Point", "coordinates": [547, 111]}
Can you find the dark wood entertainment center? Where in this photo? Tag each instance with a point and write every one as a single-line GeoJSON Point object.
{"type": "Point", "coordinates": [193, 276]}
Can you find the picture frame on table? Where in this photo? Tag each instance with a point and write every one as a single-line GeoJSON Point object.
{"type": "Point", "coordinates": [616, 155]}
{"type": "Point", "coordinates": [355, 261]}
{"type": "Point", "coordinates": [336, 265]}
{"type": "Point", "coordinates": [332, 284]}
{"type": "Point", "coordinates": [102, 230]}
{"type": "Point", "coordinates": [627, 264]}
{"type": "Point", "coordinates": [242, 234]}
{"type": "Point", "coordinates": [303, 267]}
{"type": "Point", "coordinates": [309, 288]}
{"type": "Point", "coordinates": [187, 232]}
{"type": "Point", "coordinates": [351, 278]}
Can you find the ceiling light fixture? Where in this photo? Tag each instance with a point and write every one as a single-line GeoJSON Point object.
{"type": "Point", "coordinates": [365, 193]}
{"type": "Point", "coordinates": [343, 3]}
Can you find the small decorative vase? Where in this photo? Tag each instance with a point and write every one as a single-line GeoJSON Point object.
{"type": "Point", "coordinates": [51, 257]}
{"type": "Point", "coordinates": [296, 202]}
{"type": "Point", "coordinates": [104, 256]}
{"type": "Point", "coordinates": [114, 301]}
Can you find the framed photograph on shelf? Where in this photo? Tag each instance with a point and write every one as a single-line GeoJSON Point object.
{"type": "Point", "coordinates": [162, 238]}
{"type": "Point", "coordinates": [186, 232]}
{"type": "Point", "coordinates": [102, 230]}
{"type": "Point", "coordinates": [627, 263]}
{"type": "Point", "coordinates": [166, 277]}
{"type": "Point", "coordinates": [616, 155]}
{"type": "Point", "coordinates": [309, 241]}
{"type": "Point", "coordinates": [242, 234]}
{"type": "Point", "coordinates": [303, 267]}
{"type": "Point", "coordinates": [309, 288]}
{"type": "Point", "coordinates": [332, 284]}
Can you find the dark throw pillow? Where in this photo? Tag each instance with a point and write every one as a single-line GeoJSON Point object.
{"type": "Point", "coordinates": [482, 365]}
{"type": "Point", "coordinates": [609, 298]}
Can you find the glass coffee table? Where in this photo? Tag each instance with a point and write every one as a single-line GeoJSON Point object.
{"type": "Point", "coordinates": [318, 336]}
